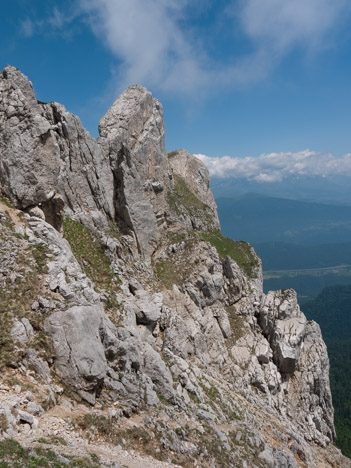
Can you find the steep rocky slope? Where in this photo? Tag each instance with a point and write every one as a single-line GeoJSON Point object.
{"type": "Point", "coordinates": [130, 325]}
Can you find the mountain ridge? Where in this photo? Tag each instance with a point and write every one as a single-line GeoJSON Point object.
{"type": "Point", "coordinates": [120, 291]}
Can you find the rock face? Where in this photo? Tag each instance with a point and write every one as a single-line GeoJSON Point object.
{"type": "Point", "coordinates": [136, 121]}
{"type": "Point", "coordinates": [138, 303]}
{"type": "Point", "coordinates": [48, 158]}
{"type": "Point", "coordinates": [186, 167]}
{"type": "Point", "coordinates": [80, 355]}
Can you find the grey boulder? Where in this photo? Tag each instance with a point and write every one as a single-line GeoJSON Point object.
{"type": "Point", "coordinates": [80, 357]}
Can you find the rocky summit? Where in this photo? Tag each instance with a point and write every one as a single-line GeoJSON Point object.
{"type": "Point", "coordinates": [133, 333]}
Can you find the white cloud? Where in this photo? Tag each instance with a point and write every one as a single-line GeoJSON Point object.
{"type": "Point", "coordinates": [157, 43]}
{"type": "Point", "coordinates": [27, 27]}
{"type": "Point", "coordinates": [147, 38]}
{"type": "Point", "coordinates": [276, 27]}
{"type": "Point", "coordinates": [156, 50]}
{"type": "Point", "coordinates": [282, 24]}
{"type": "Point", "coordinates": [57, 22]}
{"type": "Point", "coordinates": [275, 167]}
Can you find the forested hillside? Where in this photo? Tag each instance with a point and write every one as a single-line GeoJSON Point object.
{"type": "Point", "coordinates": [332, 310]}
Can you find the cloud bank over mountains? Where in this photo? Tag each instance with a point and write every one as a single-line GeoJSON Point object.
{"type": "Point", "coordinates": [276, 167]}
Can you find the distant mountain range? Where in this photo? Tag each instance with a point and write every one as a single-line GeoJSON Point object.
{"type": "Point", "coordinates": [257, 218]}
{"type": "Point", "coordinates": [331, 190]}
{"type": "Point", "coordinates": [291, 237]}
{"type": "Point", "coordinates": [285, 256]}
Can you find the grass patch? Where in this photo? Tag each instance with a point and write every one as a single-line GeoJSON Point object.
{"type": "Point", "coordinates": [240, 252]}
{"type": "Point", "coordinates": [10, 450]}
{"type": "Point", "coordinates": [91, 255]}
{"type": "Point", "coordinates": [16, 297]}
{"type": "Point", "coordinates": [3, 422]}
{"type": "Point", "coordinates": [182, 195]}
{"type": "Point", "coordinates": [172, 154]}
{"type": "Point", "coordinates": [167, 272]}
{"type": "Point", "coordinates": [178, 269]}
{"type": "Point", "coordinates": [53, 440]}
{"type": "Point", "coordinates": [137, 435]}
{"type": "Point", "coordinates": [133, 437]}
{"type": "Point", "coordinates": [7, 201]}
{"type": "Point", "coordinates": [209, 443]}
{"type": "Point", "coordinates": [212, 392]}
{"type": "Point", "coordinates": [236, 324]}
{"type": "Point", "coordinates": [182, 200]}
{"type": "Point", "coordinates": [40, 252]}
{"type": "Point", "coordinates": [113, 230]}
{"type": "Point", "coordinates": [12, 454]}
{"type": "Point", "coordinates": [216, 401]}
{"type": "Point", "coordinates": [101, 423]}
{"type": "Point", "coordinates": [8, 225]}
{"type": "Point", "coordinates": [176, 237]}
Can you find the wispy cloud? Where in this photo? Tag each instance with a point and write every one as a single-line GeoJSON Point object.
{"type": "Point", "coordinates": [275, 167]}
{"type": "Point", "coordinates": [155, 49]}
{"type": "Point", "coordinates": [157, 43]}
{"type": "Point", "coordinates": [56, 22]}
{"type": "Point", "coordinates": [275, 28]}
{"type": "Point", "coordinates": [148, 39]}
{"type": "Point", "coordinates": [280, 25]}
{"type": "Point", "coordinates": [27, 27]}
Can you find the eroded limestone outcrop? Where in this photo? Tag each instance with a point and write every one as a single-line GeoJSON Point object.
{"type": "Point", "coordinates": [147, 309]}
{"type": "Point", "coordinates": [46, 152]}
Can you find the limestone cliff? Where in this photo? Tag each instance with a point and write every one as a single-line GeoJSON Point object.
{"type": "Point", "coordinates": [119, 290]}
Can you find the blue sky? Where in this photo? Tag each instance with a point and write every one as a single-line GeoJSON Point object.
{"type": "Point", "coordinates": [240, 78]}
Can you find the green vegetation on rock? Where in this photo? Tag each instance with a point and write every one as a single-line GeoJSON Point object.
{"type": "Point", "coordinates": [3, 422]}
{"type": "Point", "coordinates": [236, 324]}
{"type": "Point", "coordinates": [135, 437]}
{"type": "Point", "coordinates": [240, 252]}
{"type": "Point", "coordinates": [91, 255]}
{"type": "Point", "coordinates": [177, 270]}
{"type": "Point", "coordinates": [171, 154]}
{"type": "Point", "coordinates": [6, 201]}
{"type": "Point", "coordinates": [167, 272]}
{"type": "Point", "coordinates": [182, 196]}
{"type": "Point", "coordinates": [16, 297]}
{"type": "Point", "coordinates": [102, 424]}
{"type": "Point", "coordinates": [12, 454]}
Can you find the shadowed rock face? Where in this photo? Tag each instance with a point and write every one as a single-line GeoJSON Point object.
{"type": "Point", "coordinates": [185, 327]}
{"type": "Point", "coordinates": [134, 211]}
